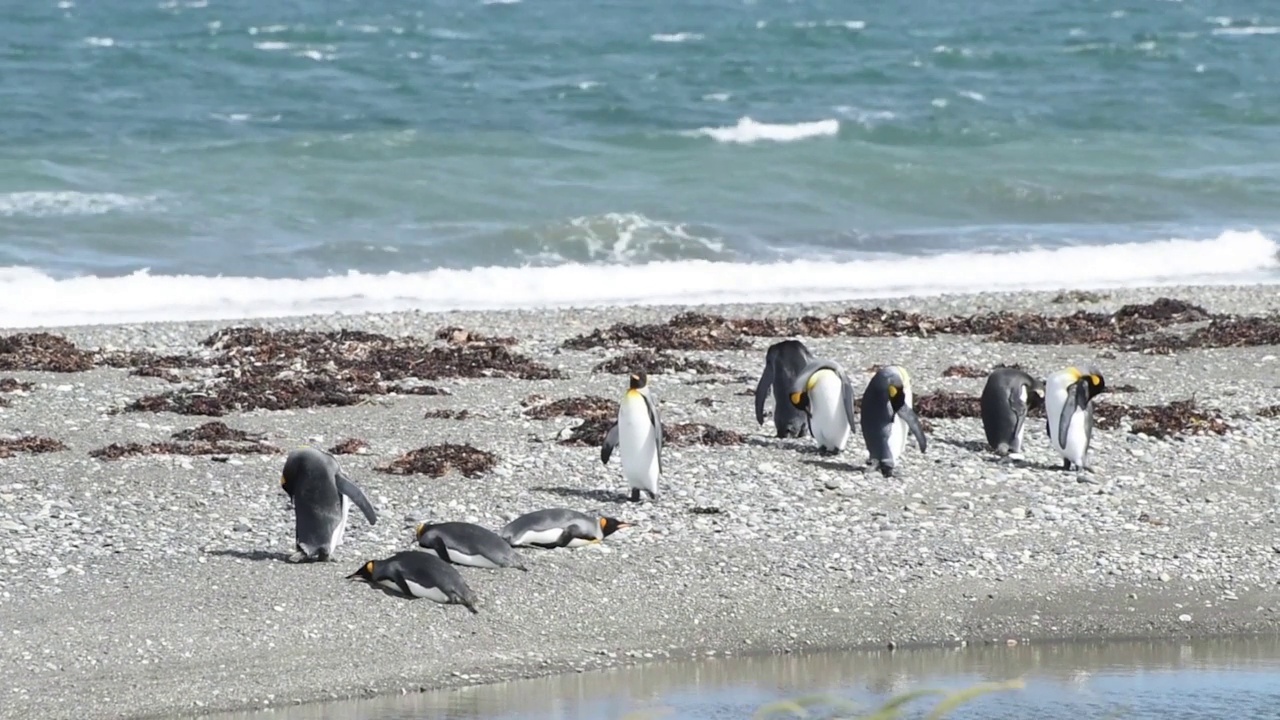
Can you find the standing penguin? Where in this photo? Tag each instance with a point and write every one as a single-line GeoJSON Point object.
{"type": "Point", "coordinates": [1068, 413]}
{"type": "Point", "coordinates": [783, 362]}
{"type": "Point", "coordinates": [466, 543]}
{"type": "Point", "coordinates": [322, 495]}
{"type": "Point", "coordinates": [1008, 396]}
{"type": "Point", "coordinates": [638, 436]}
{"type": "Point", "coordinates": [887, 415]}
{"type": "Point", "coordinates": [824, 394]}
{"type": "Point", "coordinates": [419, 575]}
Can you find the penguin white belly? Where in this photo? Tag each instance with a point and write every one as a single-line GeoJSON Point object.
{"type": "Point", "coordinates": [829, 423]}
{"type": "Point", "coordinates": [897, 438]}
{"type": "Point", "coordinates": [336, 538]}
{"type": "Point", "coordinates": [1077, 444]}
{"type": "Point", "coordinates": [430, 593]}
{"type": "Point", "coordinates": [1055, 397]}
{"type": "Point", "coordinates": [477, 560]}
{"type": "Point", "coordinates": [538, 537]}
{"type": "Point", "coordinates": [636, 442]}
{"type": "Point", "coordinates": [578, 542]}
{"type": "Point", "coordinates": [1016, 450]}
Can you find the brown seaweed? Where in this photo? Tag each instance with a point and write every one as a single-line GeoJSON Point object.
{"type": "Point", "coordinates": [437, 460]}
{"type": "Point", "coordinates": [32, 444]}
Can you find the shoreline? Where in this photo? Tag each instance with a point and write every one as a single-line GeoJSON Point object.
{"type": "Point", "coordinates": [141, 586]}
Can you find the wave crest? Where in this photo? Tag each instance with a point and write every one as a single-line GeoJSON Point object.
{"type": "Point", "coordinates": [31, 298]}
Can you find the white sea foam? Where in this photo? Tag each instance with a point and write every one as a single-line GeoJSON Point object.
{"type": "Point", "coordinates": [100, 41]}
{"type": "Point", "coordinates": [30, 298]}
{"type": "Point", "coordinates": [675, 37]}
{"type": "Point", "coordinates": [272, 45]}
{"type": "Point", "coordinates": [1248, 30]}
{"type": "Point", "coordinates": [499, 2]}
{"type": "Point", "coordinates": [750, 131]}
{"type": "Point", "coordinates": [67, 203]}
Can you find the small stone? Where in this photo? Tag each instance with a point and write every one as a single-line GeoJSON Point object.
{"type": "Point", "coordinates": [1184, 618]}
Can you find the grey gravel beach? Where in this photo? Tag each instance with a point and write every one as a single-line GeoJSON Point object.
{"type": "Point", "coordinates": [156, 585]}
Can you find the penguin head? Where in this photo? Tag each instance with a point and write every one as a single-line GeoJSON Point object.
{"type": "Point", "coordinates": [1035, 394]}
{"type": "Point", "coordinates": [1094, 382]}
{"type": "Point", "coordinates": [611, 525]}
{"type": "Point", "coordinates": [896, 385]}
{"type": "Point", "coordinates": [800, 400]}
{"type": "Point", "coordinates": [639, 379]}
{"type": "Point", "coordinates": [364, 573]}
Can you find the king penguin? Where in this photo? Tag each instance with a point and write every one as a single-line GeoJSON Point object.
{"type": "Point", "coordinates": [1068, 413]}
{"type": "Point", "coordinates": [558, 528]}
{"type": "Point", "coordinates": [638, 437]}
{"type": "Point", "coordinates": [419, 575]}
{"type": "Point", "coordinates": [783, 363]}
{"type": "Point", "coordinates": [1007, 397]}
{"type": "Point", "coordinates": [322, 495]}
{"type": "Point", "coordinates": [887, 415]}
{"type": "Point", "coordinates": [824, 394]}
{"type": "Point", "coordinates": [464, 543]}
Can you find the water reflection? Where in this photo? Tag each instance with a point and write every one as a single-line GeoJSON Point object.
{"type": "Point", "coordinates": [1167, 680]}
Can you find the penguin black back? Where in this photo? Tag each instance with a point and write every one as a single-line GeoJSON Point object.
{"type": "Point", "coordinates": [320, 492]}
{"type": "Point", "coordinates": [783, 363]}
{"type": "Point", "coordinates": [1007, 398]}
{"type": "Point", "coordinates": [419, 575]}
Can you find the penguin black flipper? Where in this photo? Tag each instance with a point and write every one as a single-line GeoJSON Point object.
{"type": "Point", "coordinates": [353, 491]}
{"type": "Point", "coordinates": [913, 423]}
{"type": "Point", "coordinates": [765, 385]}
{"type": "Point", "coordinates": [846, 395]}
{"type": "Point", "coordinates": [656, 419]}
{"type": "Point", "coordinates": [610, 443]}
{"type": "Point", "coordinates": [1075, 400]}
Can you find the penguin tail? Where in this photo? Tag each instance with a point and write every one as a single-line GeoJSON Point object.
{"type": "Point", "coordinates": [470, 604]}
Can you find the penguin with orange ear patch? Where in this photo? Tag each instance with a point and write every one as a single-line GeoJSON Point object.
{"type": "Point", "coordinates": [419, 575]}
{"type": "Point", "coordinates": [1068, 409]}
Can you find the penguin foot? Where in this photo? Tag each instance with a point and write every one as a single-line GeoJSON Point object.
{"type": "Point", "coordinates": [886, 470]}
{"type": "Point", "coordinates": [1066, 466]}
{"type": "Point", "coordinates": [635, 494]}
{"type": "Point", "coordinates": [297, 557]}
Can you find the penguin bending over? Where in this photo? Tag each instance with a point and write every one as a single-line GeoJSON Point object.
{"type": "Point", "coordinates": [822, 391]}
{"type": "Point", "coordinates": [469, 544]}
{"type": "Point", "coordinates": [419, 575]}
{"type": "Point", "coordinates": [1007, 397]}
{"type": "Point", "coordinates": [1068, 413]}
{"type": "Point", "coordinates": [559, 527]}
{"type": "Point", "coordinates": [783, 362]}
{"type": "Point", "coordinates": [638, 437]}
{"type": "Point", "coordinates": [322, 495]}
{"type": "Point", "coordinates": [887, 415]}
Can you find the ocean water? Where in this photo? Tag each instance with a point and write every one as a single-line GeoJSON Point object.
{"type": "Point", "coordinates": [173, 159]}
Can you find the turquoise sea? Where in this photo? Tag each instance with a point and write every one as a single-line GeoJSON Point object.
{"type": "Point", "coordinates": [181, 159]}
